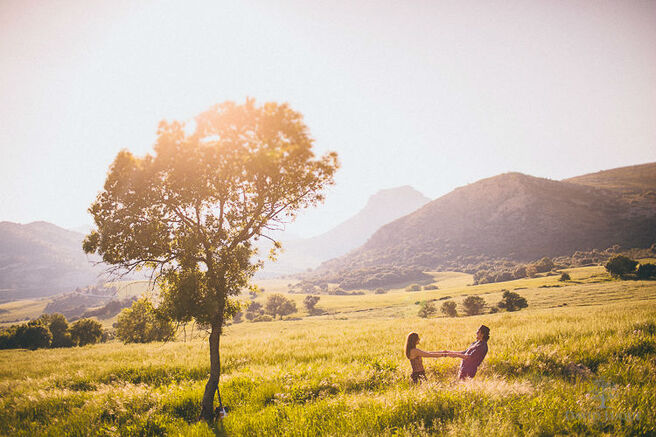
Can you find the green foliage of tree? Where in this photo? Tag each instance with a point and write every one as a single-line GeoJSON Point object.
{"type": "Point", "coordinates": [277, 304]}
{"type": "Point", "coordinates": [192, 210]}
{"type": "Point", "coordinates": [142, 323]}
{"type": "Point", "coordinates": [473, 305]}
{"type": "Point", "coordinates": [565, 277]}
{"type": "Point", "coordinates": [512, 301]}
{"type": "Point", "coordinates": [427, 309]}
{"type": "Point", "coordinates": [449, 308]}
{"type": "Point", "coordinates": [646, 271]}
{"type": "Point", "coordinates": [86, 331]}
{"type": "Point", "coordinates": [620, 265]}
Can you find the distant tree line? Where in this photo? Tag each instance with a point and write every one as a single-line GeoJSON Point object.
{"type": "Point", "coordinates": [51, 331]}
{"type": "Point", "coordinates": [366, 278]}
{"type": "Point", "coordinates": [504, 270]}
{"type": "Point", "coordinates": [395, 271]}
{"type": "Point", "coordinates": [276, 305]}
{"type": "Point", "coordinates": [474, 305]}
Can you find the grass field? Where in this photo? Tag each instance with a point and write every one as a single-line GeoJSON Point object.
{"type": "Point", "coordinates": [580, 360]}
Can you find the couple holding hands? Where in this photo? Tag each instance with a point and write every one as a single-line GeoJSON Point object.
{"type": "Point", "coordinates": [471, 358]}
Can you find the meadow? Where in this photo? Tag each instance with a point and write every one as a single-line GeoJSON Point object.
{"type": "Point", "coordinates": [581, 359]}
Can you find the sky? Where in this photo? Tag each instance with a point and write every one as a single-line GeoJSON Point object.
{"type": "Point", "coordinates": [432, 94]}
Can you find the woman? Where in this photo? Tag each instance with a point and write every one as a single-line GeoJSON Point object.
{"type": "Point", "coordinates": [415, 355]}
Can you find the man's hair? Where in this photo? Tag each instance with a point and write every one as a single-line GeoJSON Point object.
{"type": "Point", "coordinates": [486, 332]}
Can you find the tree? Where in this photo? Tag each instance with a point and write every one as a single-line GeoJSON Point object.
{"type": "Point", "coordinates": [473, 305]}
{"type": "Point", "coordinates": [32, 335]}
{"type": "Point", "coordinates": [277, 304]}
{"type": "Point", "coordinates": [142, 323]}
{"type": "Point", "coordinates": [565, 277]}
{"type": "Point", "coordinates": [449, 308]}
{"type": "Point", "coordinates": [520, 272]}
{"type": "Point", "coordinates": [544, 265]}
{"type": "Point", "coordinates": [620, 265]}
{"type": "Point", "coordinates": [58, 327]}
{"type": "Point", "coordinates": [192, 210]}
{"type": "Point", "coordinates": [253, 310]}
{"type": "Point", "coordinates": [310, 302]}
{"type": "Point", "coordinates": [427, 309]}
{"type": "Point", "coordinates": [647, 271]}
{"type": "Point", "coordinates": [86, 331]}
{"type": "Point", "coordinates": [512, 301]}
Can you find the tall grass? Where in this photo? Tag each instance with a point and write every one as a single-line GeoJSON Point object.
{"type": "Point", "coordinates": [560, 370]}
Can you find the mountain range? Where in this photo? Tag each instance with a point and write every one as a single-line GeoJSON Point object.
{"type": "Point", "coordinates": [511, 216]}
{"type": "Point", "coordinates": [300, 254]}
{"type": "Point", "coordinates": [40, 259]}
{"type": "Point", "coordinates": [517, 217]}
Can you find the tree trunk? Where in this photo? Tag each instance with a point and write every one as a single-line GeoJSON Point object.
{"type": "Point", "coordinates": [212, 386]}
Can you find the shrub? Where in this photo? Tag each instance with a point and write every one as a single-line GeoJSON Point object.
{"type": "Point", "coordinates": [263, 318]}
{"type": "Point", "coordinates": [473, 305]}
{"type": "Point", "coordinates": [431, 287]}
{"type": "Point", "coordinates": [86, 331]}
{"type": "Point", "coordinates": [512, 301]}
{"type": "Point", "coordinates": [427, 309]}
{"type": "Point", "coordinates": [277, 304]}
{"type": "Point", "coordinates": [565, 277]}
{"type": "Point", "coordinates": [413, 287]}
{"type": "Point", "coordinates": [142, 323]}
{"type": "Point", "coordinates": [449, 308]}
{"type": "Point", "coordinates": [620, 265]}
{"type": "Point", "coordinates": [646, 271]}
{"type": "Point", "coordinates": [380, 291]}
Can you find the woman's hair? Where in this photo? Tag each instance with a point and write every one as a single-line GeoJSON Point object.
{"type": "Point", "coordinates": [486, 332]}
{"type": "Point", "coordinates": [411, 343]}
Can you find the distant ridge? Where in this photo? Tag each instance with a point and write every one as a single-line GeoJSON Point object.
{"type": "Point", "coordinates": [381, 208]}
{"type": "Point", "coordinates": [630, 181]}
{"type": "Point", "coordinates": [42, 259]}
{"type": "Point", "coordinates": [517, 217]}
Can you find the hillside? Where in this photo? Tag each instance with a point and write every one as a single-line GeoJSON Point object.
{"type": "Point", "coordinates": [516, 217]}
{"type": "Point", "coordinates": [631, 180]}
{"type": "Point", "coordinates": [381, 208]}
{"type": "Point", "coordinates": [41, 259]}
{"type": "Point", "coordinates": [561, 366]}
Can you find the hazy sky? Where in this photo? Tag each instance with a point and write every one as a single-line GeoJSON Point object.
{"type": "Point", "coordinates": [430, 94]}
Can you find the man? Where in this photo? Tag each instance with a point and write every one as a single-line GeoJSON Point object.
{"type": "Point", "coordinates": [473, 356]}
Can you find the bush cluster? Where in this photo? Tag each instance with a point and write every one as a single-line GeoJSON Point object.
{"type": "Point", "coordinates": [622, 266]}
{"type": "Point", "coordinates": [51, 331]}
{"type": "Point", "coordinates": [427, 309]}
{"type": "Point", "coordinates": [275, 305]}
